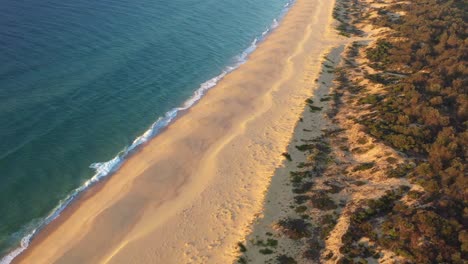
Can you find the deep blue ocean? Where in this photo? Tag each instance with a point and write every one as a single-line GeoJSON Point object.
{"type": "Point", "coordinates": [83, 82]}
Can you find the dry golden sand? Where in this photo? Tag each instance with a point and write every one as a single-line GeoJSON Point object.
{"type": "Point", "coordinates": [191, 193]}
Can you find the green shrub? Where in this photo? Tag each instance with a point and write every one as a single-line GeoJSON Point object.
{"type": "Point", "coordinates": [301, 209]}
{"type": "Point", "coordinates": [322, 201]}
{"type": "Point", "coordinates": [294, 228]}
{"type": "Point", "coordinates": [287, 156]}
{"type": "Point", "coordinates": [241, 247]}
{"type": "Point", "coordinates": [364, 166]}
{"type": "Point", "coordinates": [284, 259]}
{"type": "Point", "coordinates": [266, 251]}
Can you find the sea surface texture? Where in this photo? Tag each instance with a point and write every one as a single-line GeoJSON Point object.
{"type": "Point", "coordinates": [85, 82]}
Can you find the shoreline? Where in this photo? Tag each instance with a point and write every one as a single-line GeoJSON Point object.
{"type": "Point", "coordinates": [106, 169]}
{"type": "Point", "coordinates": [140, 200]}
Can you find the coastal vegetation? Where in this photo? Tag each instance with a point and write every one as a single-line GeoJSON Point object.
{"type": "Point", "coordinates": [421, 111]}
{"type": "Point", "coordinates": [385, 181]}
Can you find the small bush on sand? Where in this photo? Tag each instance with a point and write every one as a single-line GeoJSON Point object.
{"type": "Point", "coordinates": [334, 188]}
{"type": "Point", "coordinates": [287, 156]}
{"type": "Point", "coordinates": [364, 166]}
{"type": "Point", "coordinates": [391, 160]}
{"type": "Point", "coordinates": [362, 140]}
{"type": "Point", "coordinates": [283, 259]}
{"type": "Point", "coordinates": [327, 222]}
{"type": "Point", "coordinates": [313, 251]}
{"type": "Point", "coordinates": [301, 209]}
{"type": "Point", "coordinates": [400, 171]}
{"type": "Point", "coordinates": [314, 109]}
{"type": "Point", "coordinates": [304, 187]}
{"type": "Point", "coordinates": [266, 251]}
{"type": "Point", "coordinates": [322, 201]}
{"type": "Point", "coordinates": [241, 247]}
{"type": "Point", "coordinates": [305, 147]}
{"type": "Point", "coordinates": [359, 183]}
{"type": "Point", "coordinates": [242, 260]}
{"type": "Point", "coordinates": [294, 228]}
{"type": "Point", "coordinates": [300, 199]}
{"type": "Point", "coordinates": [271, 242]}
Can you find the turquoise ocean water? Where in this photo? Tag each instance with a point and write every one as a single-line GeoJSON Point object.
{"type": "Point", "coordinates": [84, 82]}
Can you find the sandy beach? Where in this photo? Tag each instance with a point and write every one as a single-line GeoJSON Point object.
{"type": "Point", "coordinates": [193, 192]}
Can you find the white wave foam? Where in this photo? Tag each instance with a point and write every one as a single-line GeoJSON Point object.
{"type": "Point", "coordinates": [104, 169]}
{"type": "Point", "coordinates": [23, 246]}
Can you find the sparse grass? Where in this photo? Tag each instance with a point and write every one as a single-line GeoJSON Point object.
{"type": "Point", "coordinates": [400, 171]}
{"type": "Point", "coordinates": [328, 59]}
{"type": "Point", "coordinates": [266, 251]}
{"type": "Point", "coordinates": [359, 150]}
{"type": "Point", "coordinates": [370, 99]}
{"type": "Point", "coordinates": [294, 228]}
{"type": "Point", "coordinates": [303, 188]}
{"type": "Point", "coordinates": [327, 223]}
{"type": "Point", "coordinates": [392, 160]}
{"type": "Point", "coordinates": [305, 147]}
{"type": "Point", "coordinates": [359, 183]}
{"type": "Point", "coordinates": [364, 166]}
{"type": "Point", "coordinates": [300, 199]}
{"type": "Point", "coordinates": [296, 179]}
{"type": "Point", "coordinates": [313, 108]}
{"type": "Point", "coordinates": [344, 148]}
{"type": "Point", "coordinates": [283, 259]}
{"type": "Point", "coordinates": [302, 165]}
{"type": "Point", "coordinates": [334, 188]}
{"type": "Point", "coordinates": [242, 260]}
{"type": "Point", "coordinates": [321, 201]}
{"type": "Point", "coordinates": [298, 176]}
{"type": "Point", "coordinates": [271, 242]}
{"type": "Point", "coordinates": [414, 194]}
{"type": "Point", "coordinates": [362, 140]}
{"type": "Point", "coordinates": [287, 156]}
{"type": "Point", "coordinates": [241, 247]}
{"type": "Point", "coordinates": [301, 209]}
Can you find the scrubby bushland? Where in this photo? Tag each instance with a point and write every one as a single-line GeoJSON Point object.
{"type": "Point", "coordinates": [424, 114]}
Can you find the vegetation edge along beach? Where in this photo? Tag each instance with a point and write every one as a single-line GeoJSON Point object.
{"type": "Point", "coordinates": [382, 178]}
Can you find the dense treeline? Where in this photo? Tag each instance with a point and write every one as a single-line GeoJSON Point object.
{"type": "Point", "coordinates": [424, 113]}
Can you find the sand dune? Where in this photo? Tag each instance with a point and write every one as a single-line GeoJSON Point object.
{"type": "Point", "coordinates": [191, 193]}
